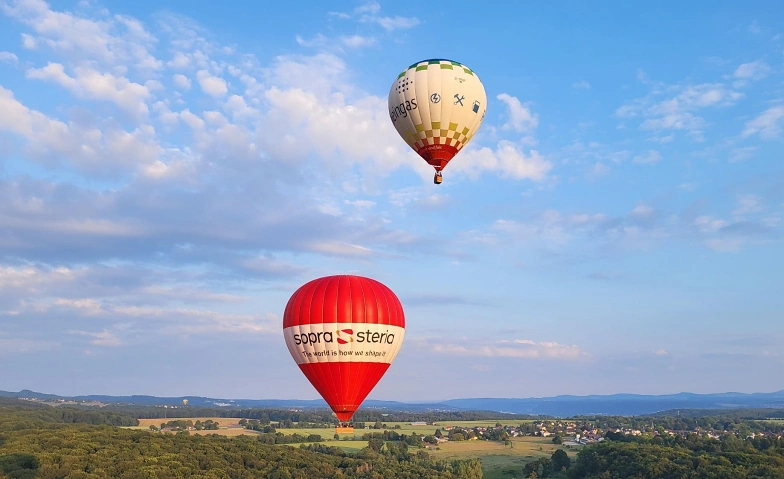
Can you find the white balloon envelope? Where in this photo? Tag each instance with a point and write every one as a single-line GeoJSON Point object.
{"type": "Point", "coordinates": [437, 106]}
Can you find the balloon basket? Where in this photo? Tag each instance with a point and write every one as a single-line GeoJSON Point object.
{"type": "Point", "coordinates": [344, 430]}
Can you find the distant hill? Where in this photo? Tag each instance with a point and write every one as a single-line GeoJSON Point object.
{"type": "Point", "coordinates": [562, 406]}
{"type": "Point", "coordinates": [621, 404]}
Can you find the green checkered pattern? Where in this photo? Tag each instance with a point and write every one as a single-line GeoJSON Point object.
{"type": "Point", "coordinates": [453, 135]}
{"type": "Point", "coordinates": [442, 64]}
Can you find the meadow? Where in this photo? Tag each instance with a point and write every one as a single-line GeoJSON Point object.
{"type": "Point", "coordinates": [777, 421]}
{"type": "Point", "coordinates": [405, 428]}
{"type": "Point", "coordinates": [495, 456]}
{"type": "Point", "coordinates": [227, 426]}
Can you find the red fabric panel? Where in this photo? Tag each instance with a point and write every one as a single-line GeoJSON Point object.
{"type": "Point", "coordinates": [357, 380]}
{"type": "Point", "coordinates": [437, 155]}
{"type": "Point", "coordinates": [343, 299]}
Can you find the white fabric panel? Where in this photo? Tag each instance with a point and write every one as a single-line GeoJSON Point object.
{"type": "Point", "coordinates": [319, 342]}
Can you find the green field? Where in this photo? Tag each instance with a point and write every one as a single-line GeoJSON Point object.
{"type": "Point", "coordinates": [405, 428]}
{"type": "Point", "coordinates": [496, 458]}
{"type": "Point", "coordinates": [774, 421]}
{"type": "Point", "coordinates": [348, 446]}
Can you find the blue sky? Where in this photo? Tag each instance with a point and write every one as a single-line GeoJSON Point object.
{"type": "Point", "coordinates": [170, 174]}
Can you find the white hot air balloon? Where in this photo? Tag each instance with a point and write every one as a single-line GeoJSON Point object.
{"type": "Point", "coordinates": [437, 107]}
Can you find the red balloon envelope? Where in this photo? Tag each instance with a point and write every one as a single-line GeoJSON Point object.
{"type": "Point", "coordinates": [343, 332]}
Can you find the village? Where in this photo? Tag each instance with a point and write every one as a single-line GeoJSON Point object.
{"type": "Point", "coordinates": [573, 433]}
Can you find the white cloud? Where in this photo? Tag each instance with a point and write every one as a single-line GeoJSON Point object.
{"type": "Point", "coordinates": [642, 210]}
{"type": "Point", "coordinates": [212, 85]}
{"type": "Point", "coordinates": [741, 154]}
{"type": "Point", "coordinates": [396, 23]}
{"type": "Point", "coordinates": [181, 81]}
{"type": "Point", "coordinates": [660, 352]}
{"type": "Point", "coordinates": [747, 204]}
{"type": "Point", "coordinates": [87, 148]}
{"type": "Point", "coordinates": [333, 248]}
{"type": "Point", "coordinates": [752, 71]}
{"type": "Point", "coordinates": [520, 116]}
{"type": "Point", "coordinates": [32, 280]}
{"type": "Point", "coordinates": [300, 121]}
{"type": "Point", "coordinates": [360, 203]}
{"type": "Point", "coordinates": [357, 41]}
{"type": "Point", "coordinates": [767, 125]}
{"type": "Point", "coordinates": [507, 158]}
{"type": "Point", "coordinates": [325, 43]}
{"type": "Point", "coordinates": [193, 121]}
{"type": "Point", "coordinates": [678, 112]}
{"type": "Point", "coordinates": [517, 348]}
{"type": "Point", "coordinates": [101, 338]}
{"type": "Point", "coordinates": [8, 57]}
{"type": "Point", "coordinates": [239, 109]}
{"type": "Point", "coordinates": [369, 12]}
{"type": "Point", "coordinates": [179, 61]}
{"type": "Point", "coordinates": [29, 42]}
{"type": "Point", "coordinates": [89, 83]}
{"type": "Point", "coordinates": [112, 40]}
{"type": "Point", "coordinates": [552, 231]}
{"type": "Point", "coordinates": [370, 7]}
{"type": "Point", "coordinates": [87, 306]}
{"type": "Point", "coordinates": [708, 224]}
{"type": "Point", "coordinates": [648, 158]}
{"type": "Point", "coordinates": [598, 170]}
{"type": "Point", "coordinates": [318, 41]}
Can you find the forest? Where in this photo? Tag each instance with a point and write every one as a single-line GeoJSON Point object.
{"type": "Point", "coordinates": [44, 442]}
{"type": "Point", "coordinates": [47, 442]}
{"type": "Point", "coordinates": [313, 417]}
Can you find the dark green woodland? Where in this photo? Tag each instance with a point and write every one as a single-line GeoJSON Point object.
{"type": "Point", "coordinates": [38, 441]}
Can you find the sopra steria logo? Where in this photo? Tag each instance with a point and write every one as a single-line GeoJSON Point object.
{"type": "Point", "coordinates": [345, 336]}
{"type": "Point", "coordinates": [348, 332]}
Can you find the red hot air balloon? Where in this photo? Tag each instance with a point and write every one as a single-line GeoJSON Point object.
{"type": "Point", "coordinates": [343, 332]}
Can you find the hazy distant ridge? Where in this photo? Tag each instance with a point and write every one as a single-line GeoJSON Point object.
{"type": "Point", "coordinates": [614, 404]}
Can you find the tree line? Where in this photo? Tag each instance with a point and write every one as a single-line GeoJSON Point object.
{"type": "Point", "coordinates": [50, 447]}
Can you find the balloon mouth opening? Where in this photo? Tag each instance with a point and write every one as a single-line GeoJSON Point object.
{"type": "Point", "coordinates": [344, 415]}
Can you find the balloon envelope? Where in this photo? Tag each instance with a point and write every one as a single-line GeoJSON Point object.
{"type": "Point", "coordinates": [436, 107]}
{"type": "Point", "coordinates": [344, 331]}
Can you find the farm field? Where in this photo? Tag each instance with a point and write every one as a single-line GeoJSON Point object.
{"type": "Point", "coordinates": [222, 421]}
{"type": "Point", "coordinates": [405, 428]}
{"type": "Point", "coordinates": [228, 426]}
{"type": "Point", "coordinates": [348, 446]}
{"type": "Point", "coordinates": [226, 432]}
{"type": "Point", "coordinates": [774, 421]}
{"type": "Point", "coordinates": [496, 457]}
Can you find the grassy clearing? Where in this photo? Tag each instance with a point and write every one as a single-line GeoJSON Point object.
{"type": "Point", "coordinates": [222, 421]}
{"type": "Point", "coordinates": [226, 432]}
{"type": "Point", "coordinates": [224, 424]}
{"type": "Point", "coordinates": [348, 446]}
{"type": "Point", "coordinates": [523, 447]}
{"type": "Point", "coordinates": [498, 461]}
{"type": "Point", "coordinates": [496, 458]}
{"type": "Point", "coordinates": [405, 428]}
